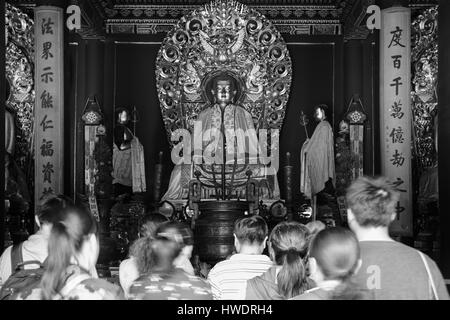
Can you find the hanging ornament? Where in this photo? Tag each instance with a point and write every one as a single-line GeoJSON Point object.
{"type": "Point", "coordinates": [356, 117]}
{"type": "Point", "coordinates": [92, 117]}
{"type": "Point", "coordinates": [92, 114]}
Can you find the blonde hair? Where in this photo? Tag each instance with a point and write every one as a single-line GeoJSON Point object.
{"type": "Point", "coordinates": [372, 201]}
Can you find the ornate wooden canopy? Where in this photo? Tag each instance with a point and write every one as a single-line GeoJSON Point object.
{"type": "Point", "coordinates": [295, 17]}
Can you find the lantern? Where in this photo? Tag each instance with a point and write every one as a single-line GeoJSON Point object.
{"type": "Point", "coordinates": [356, 117]}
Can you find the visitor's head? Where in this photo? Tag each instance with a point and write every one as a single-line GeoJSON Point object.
{"type": "Point", "coordinates": [250, 235]}
{"type": "Point", "coordinates": [288, 246]}
{"type": "Point", "coordinates": [186, 234]}
{"type": "Point", "coordinates": [73, 241]}
{"type": "Point", "coordinates": [141, 248]}
{"type": "Point", "coordinates": [49, 211]}
{"type": "Point", "coordinates": [150, 223]}
{"type": "Point", "coordinates": [224, 88]}
{"type": "Point", "coordinates": [166, 247]}
{"type": "Point", "coordinates": [371, 203]}
{"type": "Point", "coordinates": [333, 255]}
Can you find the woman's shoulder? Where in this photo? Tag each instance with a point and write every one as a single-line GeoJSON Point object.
{"type": "Point", "coordinates": [177, 285]}
{"type": "Point", "coordinates": [95, 289]}
{"type": "Point", "coordinates": [187, 280]}
{"type": "Point", "coordinates": [269, 276]}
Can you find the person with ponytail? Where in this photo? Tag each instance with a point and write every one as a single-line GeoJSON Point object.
{"type": "Point", "coordinates": [138, 261]}
{"type": "Point", "coordinates": [288, 245]}
{"type": "Point", "coordinates": [35, 248]}
{"type": "Point", "coordinates": [164, 280]}
{"type": "Point", "coordinates": [333, 261]}
{"type": "Point", "coordinates": [73, 250]}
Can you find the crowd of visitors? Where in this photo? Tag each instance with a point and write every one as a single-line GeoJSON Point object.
{"type": "Point", "coordinates": [292, 261]}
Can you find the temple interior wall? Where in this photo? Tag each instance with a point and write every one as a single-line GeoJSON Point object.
{"type": "Point", "coordinates": [122, 73]}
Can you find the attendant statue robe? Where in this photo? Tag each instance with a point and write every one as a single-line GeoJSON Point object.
{"type": "Point", "coordinates": [138, 166]}
{"type": "Point", "coordinates": [129, 166]}
{"type": "Point", "coordinates": [317, 160]}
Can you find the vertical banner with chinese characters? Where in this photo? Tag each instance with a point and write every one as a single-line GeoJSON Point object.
{"type": "Point", "coordinates": [395, 107]}
{"type": "Point", "coordinates": [49, 111]}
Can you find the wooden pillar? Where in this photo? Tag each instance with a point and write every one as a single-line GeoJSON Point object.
{"type": "Point", "coordinates": [108, 88]}
{"type": "Point", "coordinates": [2, 128]}
{"type": "Point", "coordinates": [370, 97]}
{"type": "Point", "coordinates": [94, 69]}
{"type": "Point", "coordinates": [287, 170]}
{"type": "Point", "coordinates": [353, 71]}
{"type": "Point", "coordinates": [395, 106]}
{"type": "Point", "coordinates": [49, 106]}
{"type": "Point", "coordinates": [81, 97]}
{"type": "Point", "coordinates": [444, 133]}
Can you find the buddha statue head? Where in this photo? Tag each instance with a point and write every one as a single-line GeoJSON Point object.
{"type": "Point", "coordinates": [224, 89]}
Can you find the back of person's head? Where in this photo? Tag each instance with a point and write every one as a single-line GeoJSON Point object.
{"type": "Point", "coordinates": [372, 201]}
{"type": "Point", "coordinates": [75, 234]}
{"type": "Point", "coordinates": [140, 248]}
{"type": "Point", "coordinates": [160, 250]}
{"type": "Point", "coordinates": [251, 230]}
{"type": "Point", "coordinates": [166, 246]}
{"type": "Point", "coordinates": [181, 228]}
{"type": "Point", "coordinates": [49, 211]}
{"type": "Point", "coordinates": [150, 222]}
{"type": "Point", "coordinates": [334, 254]}
{"type": "Point", "coordinates": [288, 245]}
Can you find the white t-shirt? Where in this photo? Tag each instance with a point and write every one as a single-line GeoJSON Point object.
{"type": "Point", "coordinates": [128, 272]}
{"type": "Point", "coordinates": [35, 248]}
{"type": "Point", "coordinates": [228, 278]}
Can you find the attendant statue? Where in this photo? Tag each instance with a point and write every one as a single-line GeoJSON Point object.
{"type": "Point", "coordinates": [233, 122]}
{"type": "Point", "coordinates": [317, 157]}
{"type": "Point", "coordinates": [122, 167]}
{"type": "Point", "coordinates": [128, 157]}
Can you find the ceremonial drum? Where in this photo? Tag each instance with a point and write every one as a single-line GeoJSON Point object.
{"type": "Point", "coordinates": [213, 231]}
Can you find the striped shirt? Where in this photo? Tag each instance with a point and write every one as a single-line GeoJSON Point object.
{"type": "Point", "coordinates": [228, 278]}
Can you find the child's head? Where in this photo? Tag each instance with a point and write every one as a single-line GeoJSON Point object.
{"type": "Point", "coordinates": [333, 255]}
{"type": "Point", "coordinates": [250, 231]}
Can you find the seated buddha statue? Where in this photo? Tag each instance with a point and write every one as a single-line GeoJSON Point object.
{"type": "Point", "coordinates": [226, 135]}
